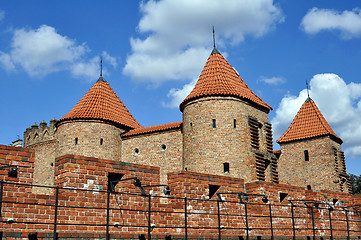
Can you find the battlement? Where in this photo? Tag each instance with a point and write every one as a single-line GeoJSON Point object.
{"type": "Point", "coordinates": [39, 133]}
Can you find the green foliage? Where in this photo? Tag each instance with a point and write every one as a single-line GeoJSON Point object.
{"type": "Point", "coordinates": [356, 184]}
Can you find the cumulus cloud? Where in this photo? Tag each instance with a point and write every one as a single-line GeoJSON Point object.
{"type": "Point", "coordinates": [5, 61]}
{"type": "Point", "coordinates": [273, 80]}
{"type": "Point", "coordinates": [178, 95]}
{"type": "Point", "coordinates": [43, 51]}
{"type": "Point", "coordinates": [178, 34]}
{"type": "Point", "coordinates": [339, 102]}
{"type": "Point", "coordinates": [347, 22]}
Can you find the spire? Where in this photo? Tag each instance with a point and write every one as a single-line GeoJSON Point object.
{"type": "Point", "coordinates": [101, 66]}
{"type": "Point", "coordinates": [214, 43]}
{"type": "Point", "coordinates": [218, 78]}
{"type": "Point", "coordinates": [308, 123]}
{"type": "Point", "coordinates": [101, 103]}
{"type": "Point", "coordinates": [308, 93]}
{"type": "Point", "coordinates": [101, 79]}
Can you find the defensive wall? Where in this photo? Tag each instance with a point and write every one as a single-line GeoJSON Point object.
{"type": "Point", "coordinates": [80, 206]}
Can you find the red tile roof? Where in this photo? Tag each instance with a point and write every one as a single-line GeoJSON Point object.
{"type": "Point", "coordinates": [151, 129]}
{"type": "Point", "coordinates": [102, 103]}
{"type": "Point", "coordinates": [218, 78]}
{"type": "Point", "coordinates": [308, 123]}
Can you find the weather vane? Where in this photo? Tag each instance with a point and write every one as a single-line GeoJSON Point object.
{"type": "Point", "coordinates": [308, 94]}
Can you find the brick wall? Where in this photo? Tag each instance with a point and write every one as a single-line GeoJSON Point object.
{"type": "Point", "coordinates": [206, 148]}
{"type": "Point", "coordinates": [83, 199]}
{"type": "Point", "coordinates": [159, 149]}
{"type": "Point", "coordinates": [320, 172]}
{"type": "Point", "coordinates": [89, 134]}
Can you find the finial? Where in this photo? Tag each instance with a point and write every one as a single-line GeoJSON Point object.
{"type": "Point", "coordinates": [308, 93]}
{"type": "Point", "coordinates": [214, 38]}
{"type": "Point", "coordinates": [101, 66]}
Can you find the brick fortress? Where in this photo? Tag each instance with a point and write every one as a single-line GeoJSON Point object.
{"type": "Point", "coordinates": [223, 145]}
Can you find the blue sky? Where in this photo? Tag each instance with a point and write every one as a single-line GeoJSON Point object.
{"type": "Point", "coordinates": [153, 51]}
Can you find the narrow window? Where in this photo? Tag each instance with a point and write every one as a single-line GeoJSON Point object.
{"type": "Point", "coordinates": [101, 141]}
{"type": "Point", "coordinates": [214, 123]}
{"type": "Point", "coordinates": [136, 150]}
{"type": "Point", "coordinates": [76, 141]}
{"type": "Point", "coordinates": [191, 124]}
{"type": "Point", "coordinates": [212, 190]}
{"type": "Point", "coordinates": [164, 147]}
{"type": "Point", "coordinates": [306, 156]}
{"type": "Point", "coordinates": [226, 167]}
{"type": "Point", "coordinates": [309, 187]}
{"type": "Point", "coordinates": [234, 123]}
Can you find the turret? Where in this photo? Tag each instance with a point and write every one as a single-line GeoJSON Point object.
{"type": "Point", "coordinates": [93, 128]}
{"type": "Point", "coordinates": [225, 126]}
{"type": "Point", "coordinates": [311, 154]}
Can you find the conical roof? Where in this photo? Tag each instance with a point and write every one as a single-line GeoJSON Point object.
{"type": "Point", "coordinates": [102, 103]}
{"type": "Point", "coordinates": [308, 123]}
{"type": "Point", "coordinates": [218, 78]}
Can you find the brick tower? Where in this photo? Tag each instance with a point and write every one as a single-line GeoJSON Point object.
{"type": "Point", "coordinates": [311, 153]}
{"type": "Point", "coordinates": [93, 128]}
{"type": "Point", "coordinates": [225, 126]}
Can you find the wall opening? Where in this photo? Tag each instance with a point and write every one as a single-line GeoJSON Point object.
{"type": "Point", "coordinates": [307, 158]}
{"type": "Point", "coordinates": [226, 167]}
{"type": "Point", "coordinates": [309, 187]}
{"type": "Point", "coordinates": [33, 236]}
{"type": "Point", "coordinates": [76, 141]}
{"type": "Point", "coordinates": [101, 141]}
{"type": "Point", "coordinates": [214, 123]}
{"type": "Point", "coordinates": [164, 147]}
{"type": "Point", "coordinates": [234, 123]}
{"type": "Point", "coordinates": [283, 196]}
{"type": "Point", "coordinates": [113, 179]}
{"type": "Point", "coordinates": [136, 150]}
{"type": "Point", "coordinates": [212, 190]}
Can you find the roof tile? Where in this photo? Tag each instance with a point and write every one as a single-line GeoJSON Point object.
{"type": "Point", "coordinates": [218, 77]}
{"type": "Point", "coordinates": [308, 123]}
{"type": "Point", "coordinates": [102, 103]}
{"type": "Point", "coordinates": [151, 129]}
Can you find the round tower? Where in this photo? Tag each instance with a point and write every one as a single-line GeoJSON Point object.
{"type": "Point", "coordinates": [225, 125]}
{"type": "Point", "coordinates": [93, 128]}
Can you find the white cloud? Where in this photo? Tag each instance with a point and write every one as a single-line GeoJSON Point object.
{"type": "Point", "coordinates": [273, 80]}
{"type": "Point", "coordinates": [178, 34]}
{"type": "Point", "coordinates": [340, 104]}
{"type": "Point", "coordinates": [347, 22]}
{"type": "Point", "coordinates": [5, 61]}
{"type": "Point", "coordinates": [44, 51]}
{"type": "Point", "coordinates": [178, 95]}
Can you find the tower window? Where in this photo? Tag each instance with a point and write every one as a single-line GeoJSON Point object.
{"type": "Point", "coordinates": [214, 123]}
{"type": "Point", "coordinates": [234, 123]}
{"type": "Point", "coordinates": [136, 150]}
{"type": "Point", "coordinates": [76, 141]}
{"type": "Point", "coordinates": [164, 147]}
{"type": "Point", "coordinates": [307, 158]}
{"type": "Point", "coordinates": [226, 167]}
{"type": "Point", "coordinates": [101, 141]}
{"type": "Point", "coordinates": [309, 187]}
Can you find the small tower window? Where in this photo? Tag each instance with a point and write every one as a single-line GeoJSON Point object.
{"type": "Point", "coordinates": [226, 167]}
{"type": "Point", "coordinates": [136, 150]}
{"type": "Point", "coordinates": [307, 158]}
{"type": "Point", "coordinates": [212, 190]}
{"type": "Point", "coordinates": [234, 123]}
{"type": "Point", "coordinates": [101, 141]}
{"type": "Point", "coordinates": [309, 187]}
{"type": "Point", "coordinates": [164, 147]}
{"type": "Point", "coordinates": [214, 123]}
{"type": "Point", "coordinates": [76, 141]}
